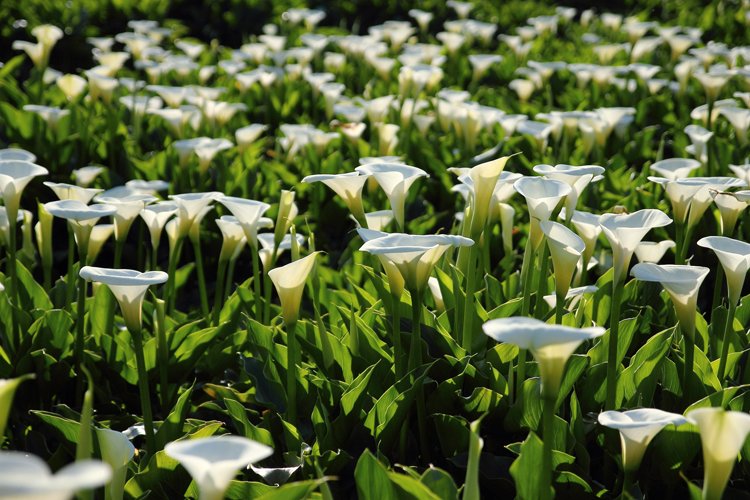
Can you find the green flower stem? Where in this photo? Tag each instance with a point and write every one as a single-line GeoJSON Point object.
{"type": "Point", "coordinates": [219, 291]}
{"type": "Point", "coordinates": [256, 282]}
{"type": "Point", "coordinates": [169, 290]}
{"type": "Point", "coordinates": [81, 308]}
{"type": "Point", "coordinates": [689, 356]}
{"type": "Point", "coordinates": [628, 480]}
{"type": "Point", "coordinates": [415, 361]}
{"type": "Point", "coordinates": [71, 260]}
{"type": "Point", "coordinates": [548, 431]}
{"type": "Point", "coordinates": [527, 273]}
{"type": "Point", "coordinates": [201, 277]}
{"type": "Point", "coordinates": [728, 327]}
{"type": "Point", "coordinates": [267, 286]}
{"type": "Point", "coordinates": [614, 330]}
{"type": "Point", "coordinates": [687, 234]}
{"type": "Point", "coordinates": [398, 350]}
{"type": "Point", "coordinates": [541, 288]}
{"type": "Point", "coordinates": [13, 273]}
{"type": "Point", "coordinates": [467, 333]}
{"type": "Point", "coordinates": [163, 352]}
{"type": "Point", "coordinates": [680, 241]}
{"type": "Point", "coordinates": [718, 282]}
{"type": "Point", "coordinates": [148, 420]}
{"type": "Point", "coordinates": [559, 308]}
{"type": "Point", "coordinates": [292, 351]}
{"type": "Point", "coordinates": [229, 279]}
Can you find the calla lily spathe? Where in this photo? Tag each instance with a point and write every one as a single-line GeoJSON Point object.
{"type": "Point", "coordinates": [15, 175]}
{"type": "Point", "coordinates": [289, 281]}
{"type": "Point", "coordinates": [637, 428]}
{"type": "Point", "coordinates": [625, 232]}
{"type": "Point", "coordinates": [566, 249]}
{"type": "Point", "coordinates": [722, 435]}
{"type": "Point", "coordinates": [551, 345]}
{"type": "Point", "coordinates": [542, 197]}
{"type": "Point", "coordinates": [214, 461]}
{"type": "Point", "coordinates": [734, 256]}
{"type": "Point", "coordinates": [681, 282]}
{"type": "Point", "coordinates": [414, 255]}
{"type": "Point", "coordinates": [395, 179]}
{"type": "Point", "coordinates": [23, 475]}
{"type": "Point", "coordinates": [129, 288]}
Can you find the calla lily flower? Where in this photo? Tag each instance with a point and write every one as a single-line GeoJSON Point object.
{"type": "Point", "coordinates": [289, 281]}
{"type": "Point", "coordinates": [542, 196]}
{"type": "Point", "coordinates": [681, 282]}
{"type": "Point", "coordinates": [14, 177]}
{"type": "Point", "coordinates": [156, 217]}
{"type": "Point", "coordinates": [551, 345]}
{"type": "Point", "coordinates": [395, 179]}
{"type": "Point", "coordinates": [71, 85]}
{"type": "Point", "coordinates": [100, 233]}
{"type": "Point", "coordinates": [72, 192]}
{"type": "Point", "coordinates": [566, 249]}
{"type": "Point", "coordinates": [214, 461]}
{"type": "Point", "coordinates": [84, 176]}
{"type": "Point", "coordinates": [414, 255]}
{"type": "Point", "coordinates": [129, 288]}
{"type": "Point", "coordinates": [482, 179]}
{"type": "Point", "coordinates": [348, 186]}
{"type": "Point", "coordinates": [27, 476]}
{"type": "Point", "coordinates": [730, 209]}
{"type": "Point", "coordinates": [722, 435]}
{"type": "Point", "coordinates": [625, 232]}
{"type": "Point", "coordinates": [80, 216]}
{"type": "Point", "coordinates": [651, 251]}
{"type": "Point", "coordinates": [190, 206]}
{"type": "Point", "coordinates": [675, 168]}
{"type": "Point", "coordinates": [637, 428]}
{"type": "Point", "coordinates": [396, 282]}
{"type": "Point", "coordinates": [574, 295]}
{"type": "Point", "coordinates": [576, 177]}
{"type": "Point", "coordinates": [734, 256]}
{"type": "Point", "coordinates": [128, 210]}
{"type": "Point", "coordinates": [117, 451]}
{"type": "Point", "coordinates": [17, 155]}
{"type": "Point", "coordinates": [249, 214]}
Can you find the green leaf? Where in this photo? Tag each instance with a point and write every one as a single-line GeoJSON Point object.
{"type": "Point", "coordinates": [7, 391]}
{"type": "Point", "coordinates": [373, 482]}
{"type": "Point", "coordinates": [441, 483]}
{"type": "Point", "coordinates": [525, 469]}
{"type": "Point", "coordinates": [471, 486]}
{"type": "Point", "coordinates": [172, 427]}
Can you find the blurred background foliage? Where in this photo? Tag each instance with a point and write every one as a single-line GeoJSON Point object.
{"type": "Point", "coordinates": [231, 22]}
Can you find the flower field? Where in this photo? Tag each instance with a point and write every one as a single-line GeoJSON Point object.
{"type": "Point", "coordinates": [471, 251]}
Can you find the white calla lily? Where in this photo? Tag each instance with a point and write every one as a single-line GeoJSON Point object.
{"type": "Point", "coordinates": [625, 232]}
{"type": "Point", "coordinates": [637, 429]}
{"type": "Point", "coordinates": [722, 435]}
{"type": "Point", "coordinates": [414, 255]}
{"type": "Point", "coordinates": [551, 345]}
{"type": "Point", "coordinates": [395, 179]}
{"type": "Point", "coordinates": [214, 461]}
